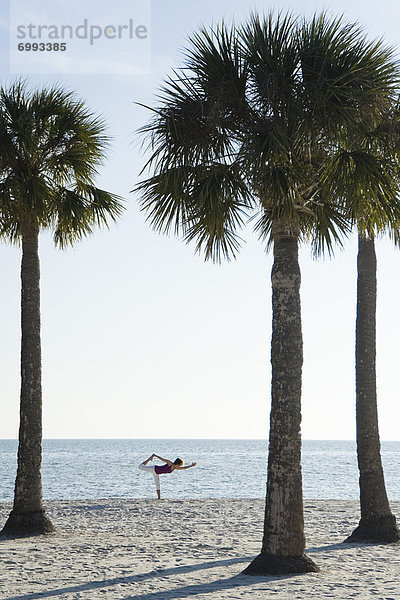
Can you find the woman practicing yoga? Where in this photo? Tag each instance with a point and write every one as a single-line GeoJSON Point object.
{"type": "Point", "coordinates": [157, 470]}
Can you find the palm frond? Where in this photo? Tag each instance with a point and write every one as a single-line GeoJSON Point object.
{"type": "Point", "coordinates": [78, 211]}
{"type": "Point", "coordinates": [51, 141]}
{"type": "Point", "coordinates": [347, 79]}
{"type": "Point", "coordinates": [367, 185]}
{"type": "Point", "coordinates": [219, 203]}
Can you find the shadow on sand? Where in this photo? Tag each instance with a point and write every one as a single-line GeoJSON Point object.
{"type": "Point", "coordinates": [341, 546]}
{"type": "Point", "coordinates": [218, 585]}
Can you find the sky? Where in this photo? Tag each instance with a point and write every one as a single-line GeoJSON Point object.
{"type": "Point", "coordinates": [141, 338]}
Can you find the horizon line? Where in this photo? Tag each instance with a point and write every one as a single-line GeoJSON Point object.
{"type": "Point", "coordinates": [187, 439]}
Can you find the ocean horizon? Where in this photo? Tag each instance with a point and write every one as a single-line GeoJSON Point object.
{"type": "Point", "coordinates": [226, 468]}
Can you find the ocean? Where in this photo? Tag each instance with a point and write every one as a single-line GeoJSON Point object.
{"type": "Point", "coordinates": [95, 469]}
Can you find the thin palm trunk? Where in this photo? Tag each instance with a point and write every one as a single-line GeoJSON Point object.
{"type": "Point", "coordinates": [377, 522]}
{"type": "Point", "coordinates": [284, 541]}
{"type": "Point", "coordinates": [28, 516]}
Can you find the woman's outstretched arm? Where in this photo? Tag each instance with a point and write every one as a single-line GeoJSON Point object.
{"type": "Point", "coordinates": [186, 467]}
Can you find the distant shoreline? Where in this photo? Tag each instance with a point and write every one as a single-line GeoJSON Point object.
{"type": "Point", "coordinates": [169, 439]}
{"type": "Point", "coordinates": [160, 440]}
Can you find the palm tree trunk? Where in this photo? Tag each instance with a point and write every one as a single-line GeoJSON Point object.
{"type": "Point", "coordinates": [284, 541]}
{"type": "Point", "coordinates": [28, 516]}
{"type": "Point", "coordinates": [377, 523]}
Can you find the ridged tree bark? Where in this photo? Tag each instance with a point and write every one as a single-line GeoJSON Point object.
{"type": "Point", "coordinates": [377, 523]}
{"type": "Point", "coordinates": [28, 516]}
{"type": "Point", "coordinates": [284, 541]}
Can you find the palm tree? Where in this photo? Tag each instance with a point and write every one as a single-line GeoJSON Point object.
{"type": "Point", "coordinates": [377, 523]}
{"type": "Point", "coordinates": [245, 128]}
{"type": "Point", "coordinates": [50, 148]}
{"type": "Point", "coordinates": [367, 174]}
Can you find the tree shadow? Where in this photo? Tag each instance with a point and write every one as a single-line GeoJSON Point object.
{"type": "Point", "coordinates": [338, 546]}
{"type": "Point", "coordinates": [219, 584]}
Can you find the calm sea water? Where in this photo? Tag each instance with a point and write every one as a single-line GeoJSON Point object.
{"type": "Point", "coordinates": [90, 469]}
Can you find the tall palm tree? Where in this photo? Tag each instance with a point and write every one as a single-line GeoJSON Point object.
{"type": "Point", "coordinates": [377, 523]}
{"type": "Point", "coordinates": [244, 129]}
{"type": "Point", "coordinates": [361, 173]}
{"type": "Point", "coordinates": [50, 148]}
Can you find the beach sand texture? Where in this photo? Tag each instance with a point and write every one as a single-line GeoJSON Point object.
{"type": "Point", "coordinates": [150, 550]}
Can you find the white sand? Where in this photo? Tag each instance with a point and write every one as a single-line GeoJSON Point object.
{"type": "Point", "coordinates": [149, 550]}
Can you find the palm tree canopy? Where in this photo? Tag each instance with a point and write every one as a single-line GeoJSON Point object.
{"type": "Point", "coordinates": [367, 171]}
{"type": "Point", "coordinates": [259, 122]}
{"type": "Point", "coordinates": [50, 148]}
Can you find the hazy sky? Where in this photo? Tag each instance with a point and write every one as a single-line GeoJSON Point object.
{"type": "Point", "coordinates": [143, 339]}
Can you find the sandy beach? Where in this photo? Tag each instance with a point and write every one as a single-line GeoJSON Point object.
{"type": "Point", "coordinates": [145, 549]}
